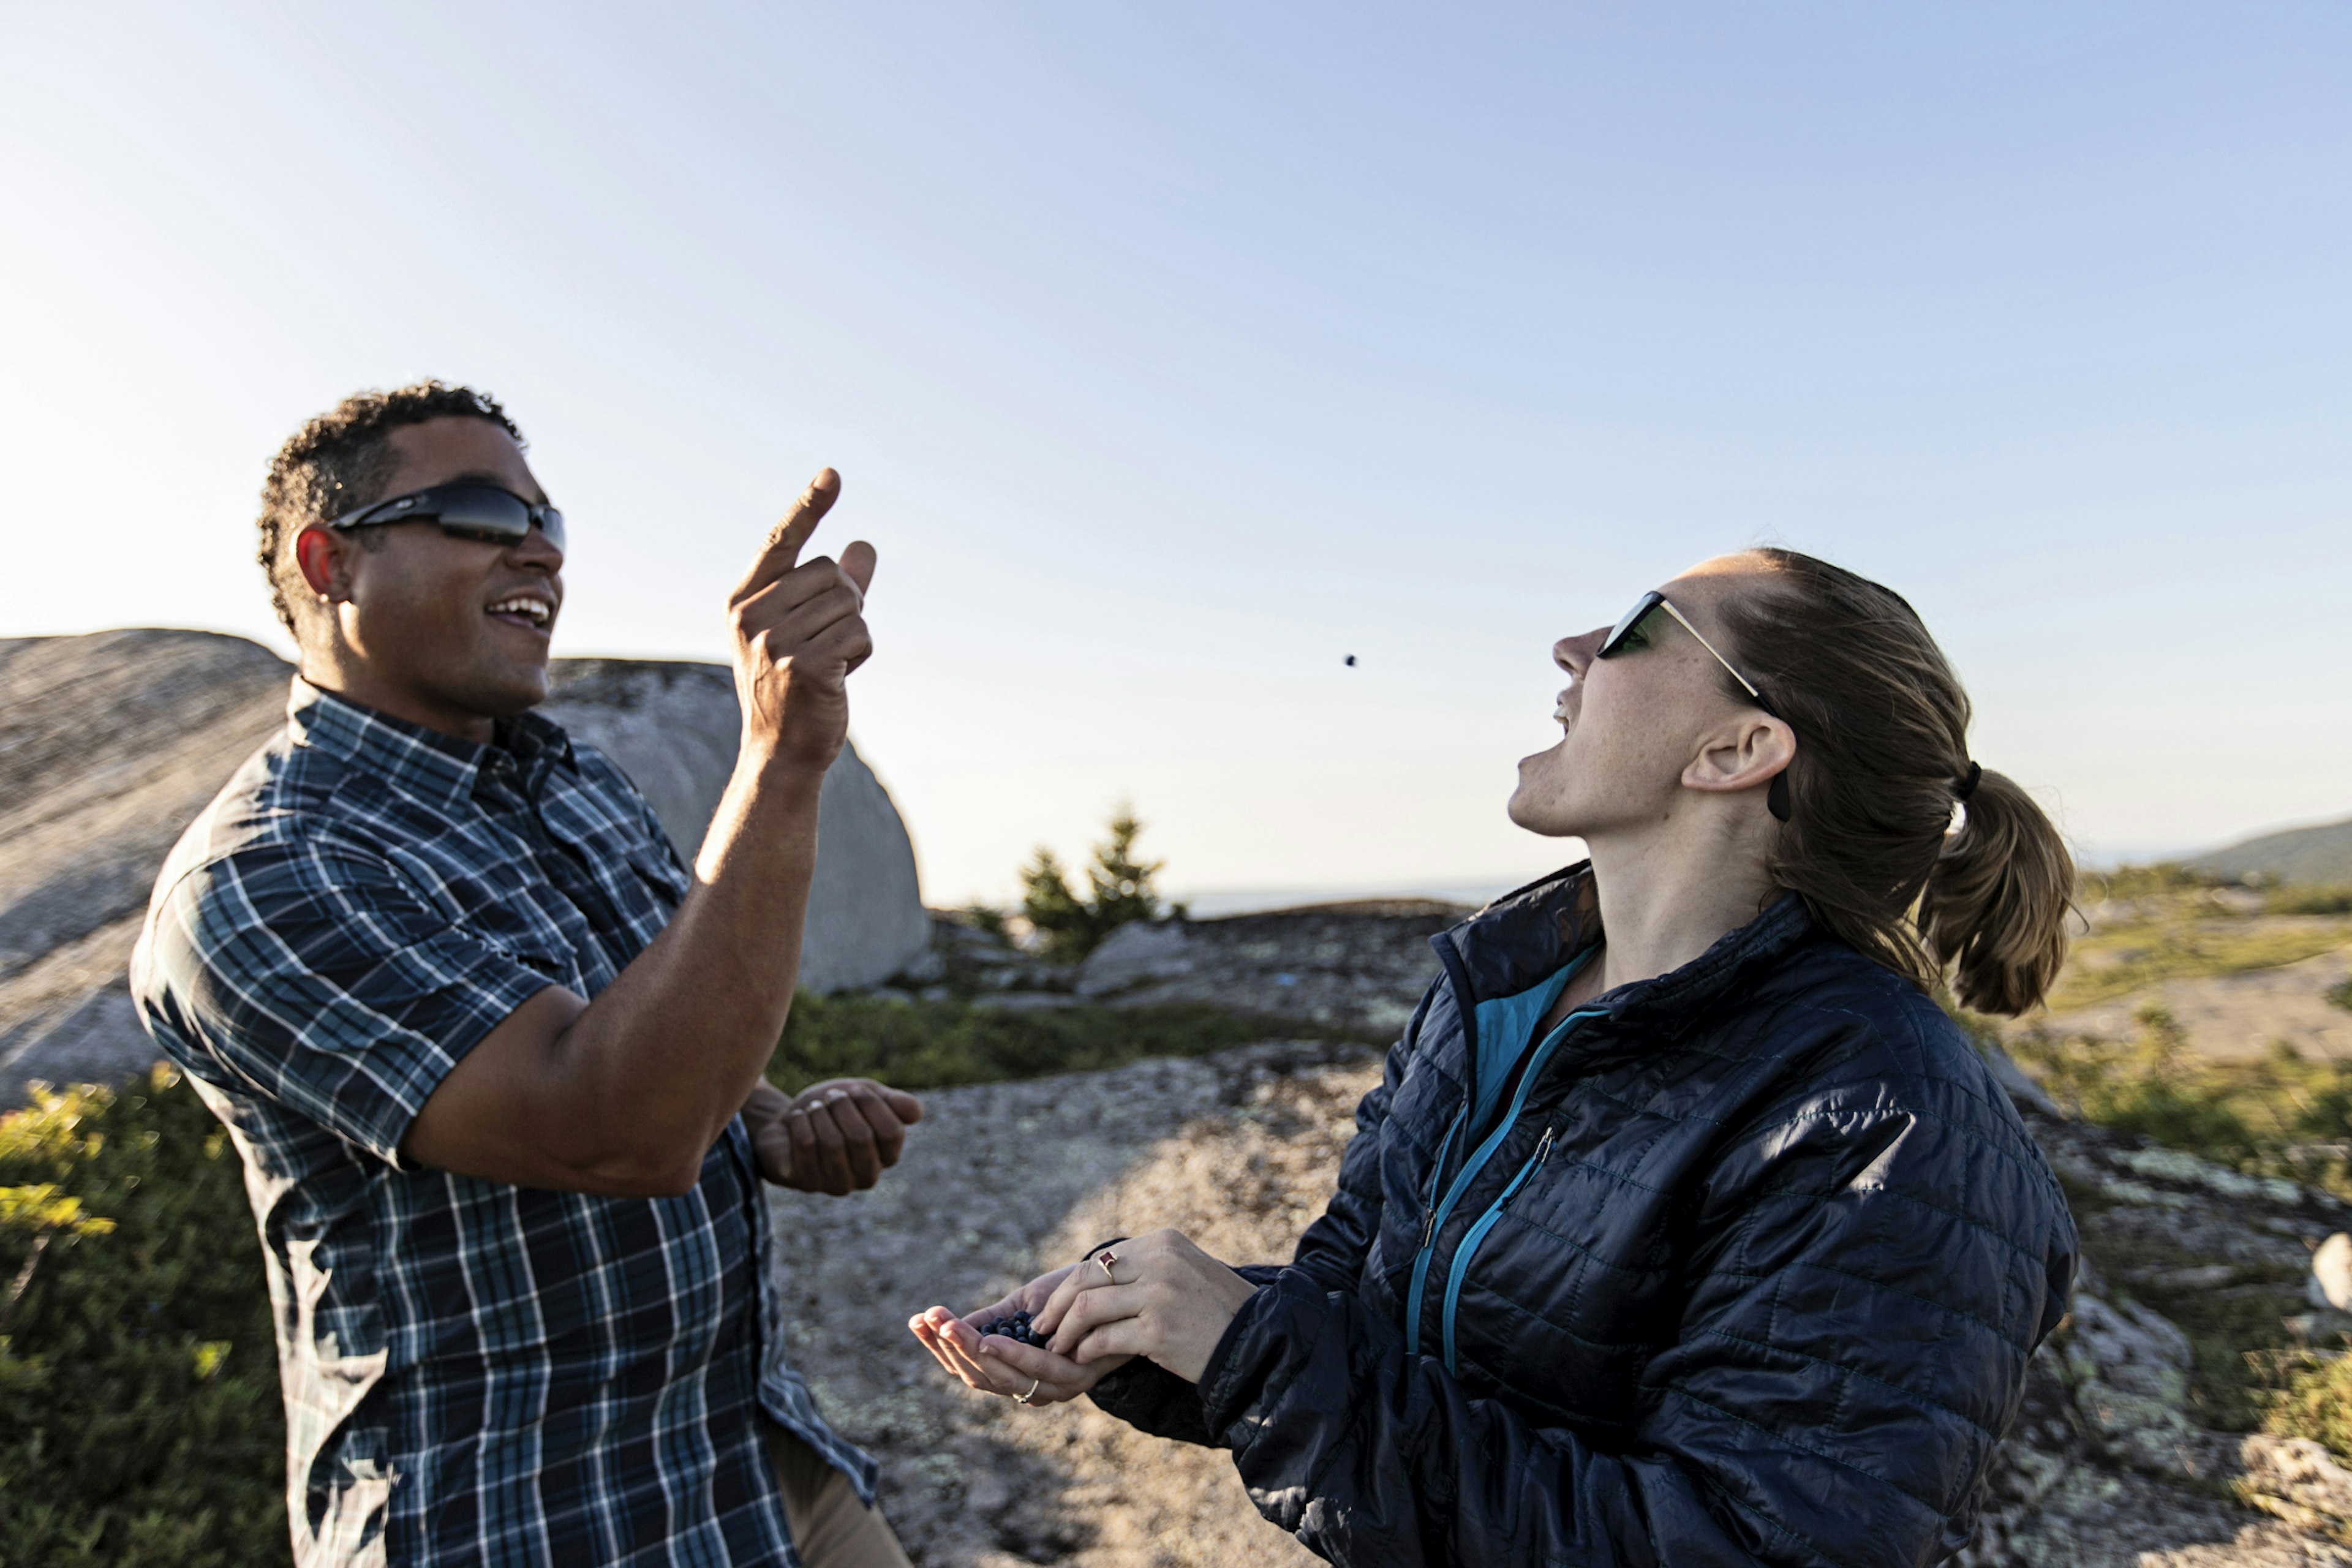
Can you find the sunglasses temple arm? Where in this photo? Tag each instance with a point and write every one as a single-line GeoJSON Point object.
{"type": "Point", "coordinates": [1745, 684]}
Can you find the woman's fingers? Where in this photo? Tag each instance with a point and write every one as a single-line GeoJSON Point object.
{"type": "Point", "coordinates": [930, 1341]}
{"type": "Point", "coordinates": [1087, 1274]}
{"type": "Point", "coordinates": [957, 1348]}
{"type": "Point", "coordinates": [1093, 1309]}
{"type": "Point", "coordinates": [1124, 1338]}
{"type": "Point", "coordinates": [1038, 1376]}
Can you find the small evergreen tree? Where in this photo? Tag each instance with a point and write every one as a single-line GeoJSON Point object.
{"type": "Point", "coordinates": [1118, 889]}
{"type": "Point", "coordinates": [1063, 925]}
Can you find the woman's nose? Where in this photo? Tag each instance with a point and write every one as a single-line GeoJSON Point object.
{"type": "Point", "coordinates": [1572, 654]}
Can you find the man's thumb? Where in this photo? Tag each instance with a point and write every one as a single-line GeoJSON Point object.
{"type": "Point", "coordinates": [857, 564]}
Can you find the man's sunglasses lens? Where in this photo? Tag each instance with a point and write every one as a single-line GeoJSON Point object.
{"type": "Point", "coordinates": [1615, 643]}
{"type": "Point", "coordinates": [494, 516]}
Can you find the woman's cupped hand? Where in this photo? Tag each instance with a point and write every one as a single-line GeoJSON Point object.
{"type": "Point", "coordinates": [1156, 1296]}
{"type": "Point", "coordinates": [994, 1364]}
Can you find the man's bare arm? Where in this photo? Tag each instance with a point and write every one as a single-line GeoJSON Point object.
{"type": "Point", "coordinates": [624, 1096]}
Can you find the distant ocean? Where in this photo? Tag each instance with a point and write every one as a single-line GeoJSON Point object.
{"type": "Point", "coordinates": [1206, 903]}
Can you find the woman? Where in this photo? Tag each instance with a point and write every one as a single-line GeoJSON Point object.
{"type": "Point", "coordinates": [1684, 1227]}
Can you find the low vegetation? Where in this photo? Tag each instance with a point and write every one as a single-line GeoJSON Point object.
{"type": "Point", "coordinates": [2281, 1115]}
{"type": "Point", "coordinates": [2153, 923]}
{"type": "Point", "coordinates": [1069, 925]}
{"type": "Point", "coordinates": [2284, 1114]}
{"type": "Point", "coordinates": [930, 1044]}
{"type": "Point", "coordinates": [139, 1423]}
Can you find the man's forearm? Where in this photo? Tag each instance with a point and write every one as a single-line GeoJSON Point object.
{"type": "Point", "coordinates": [625, 1095]}
{"type": "Point", "coordinates": [667, 1054]}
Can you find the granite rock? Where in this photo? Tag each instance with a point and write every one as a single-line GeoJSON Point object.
{"type": "Point", "coordinates": [110, 744]}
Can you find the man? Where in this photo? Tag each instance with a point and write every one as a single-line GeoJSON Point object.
{"type": "Point", "coordinates": [492, 1057]}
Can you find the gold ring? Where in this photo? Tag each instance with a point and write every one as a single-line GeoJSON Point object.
{"type": "Point", "coordinates": [1107, 1257]}
{"type": "Point", "coordinates": [1035, 1384]}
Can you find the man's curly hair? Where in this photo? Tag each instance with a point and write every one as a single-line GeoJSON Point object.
{"type": "Point", "coordinates": [339, 461]}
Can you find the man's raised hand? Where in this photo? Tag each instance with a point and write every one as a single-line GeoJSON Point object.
{"type": "Point", "coordinates": [799, 630]}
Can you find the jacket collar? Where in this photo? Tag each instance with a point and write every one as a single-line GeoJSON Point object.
{"type": "Point", "coordinates": [1519, 940]}
{"type": "Point", "coordinates": [426, 764]}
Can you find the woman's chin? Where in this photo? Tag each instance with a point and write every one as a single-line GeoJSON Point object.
{"type": "Point", "coordinates": [1539, 813]}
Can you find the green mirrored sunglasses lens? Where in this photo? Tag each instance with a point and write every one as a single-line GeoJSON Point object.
{"type": "Point", "coordinates": [1629, 625]}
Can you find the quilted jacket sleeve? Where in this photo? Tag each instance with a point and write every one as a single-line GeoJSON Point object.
{"type": "Point", "coordinates": [1859, 1315]}
{"type": "Point", "coordinates": [1330, 1252]}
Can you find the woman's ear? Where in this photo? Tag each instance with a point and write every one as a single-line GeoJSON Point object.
{"type": "Point", "coordinates": [1746, 754]}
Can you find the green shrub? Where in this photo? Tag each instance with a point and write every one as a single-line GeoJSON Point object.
{"type": "Point", "coordinates": [2143, 881]}
{"type": "Point", "coordinates": [930, 1044]}
{"type": "Point", "coordinates": [139, 1421]}
{"type": "Point", "coordinates": [1118, 889]}
{"type": "Point", "coordinates": [2283, 1114]}
{"type": "Point", "coordinates": [2307, 1394]}
{"type": "Point", "coordinates": [2317, 899]}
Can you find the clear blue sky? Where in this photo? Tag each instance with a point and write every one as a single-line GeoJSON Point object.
{"type": "Point", "coordinates": [1172, 352]}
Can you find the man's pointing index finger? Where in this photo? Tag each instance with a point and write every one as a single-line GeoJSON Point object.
{"type": "Point", "coordinates": [782, 552]}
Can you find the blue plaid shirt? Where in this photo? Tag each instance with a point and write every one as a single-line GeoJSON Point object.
{"type": "Point", "coordinates": [474, 1373]}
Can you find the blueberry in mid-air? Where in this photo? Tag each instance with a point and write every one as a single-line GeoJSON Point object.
{"type": "Point", "coordinates": [1351, 661]}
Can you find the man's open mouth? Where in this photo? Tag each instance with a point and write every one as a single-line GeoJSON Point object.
{"type": "Point", "coordinates": [524, 610]}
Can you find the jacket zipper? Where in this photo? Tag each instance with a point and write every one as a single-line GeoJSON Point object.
{"type": "Point", "coordinates": [1431, 1210]}
{"type": "Point", "coordinates": [1469, 1247]}
{"type": "Point", "coordinates": [1470, 1170]}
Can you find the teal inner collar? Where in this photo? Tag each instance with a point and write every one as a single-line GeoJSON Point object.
{"type": "Point", "coordinates": [1507, 1029]}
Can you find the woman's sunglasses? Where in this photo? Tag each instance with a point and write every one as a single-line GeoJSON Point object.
{"type": "Point", "coordinates": [1634, 630]}
{"type": "Point", "coordinates": [463, 511]}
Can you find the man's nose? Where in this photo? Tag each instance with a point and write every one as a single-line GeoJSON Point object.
{"type": "Point", "coordinates": [538, 550]}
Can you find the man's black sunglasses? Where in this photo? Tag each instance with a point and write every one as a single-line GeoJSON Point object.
{"type": "Point", "coordinates": [470, 510]}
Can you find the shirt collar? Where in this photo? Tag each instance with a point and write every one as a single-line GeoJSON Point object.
{"type": "Point", "coordinates": [435, 767]}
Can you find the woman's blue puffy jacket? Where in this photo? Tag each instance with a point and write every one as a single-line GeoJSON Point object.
{"type": "Point", "coordinates": [1743, 1265]}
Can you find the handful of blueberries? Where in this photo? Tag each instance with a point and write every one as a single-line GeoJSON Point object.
{"type": "Point", "coordinates": [1016, 1327]}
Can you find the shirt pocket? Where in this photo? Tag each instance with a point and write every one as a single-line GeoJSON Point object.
{"type": "Point", "coordinates": [659, 869]}
{"type": "Point", "coordinates": [511, 935]}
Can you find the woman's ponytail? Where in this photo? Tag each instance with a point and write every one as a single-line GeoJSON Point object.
{"type": "Point", "coordinates": [1994, 911]}
{"type": "Point", "coordinates": [1881, 727]}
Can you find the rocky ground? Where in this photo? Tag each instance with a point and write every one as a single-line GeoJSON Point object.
{"type": "Point", "coordinates": [2112, 1462]}
{"type": "Point", "coordinates": [1001, 1181]}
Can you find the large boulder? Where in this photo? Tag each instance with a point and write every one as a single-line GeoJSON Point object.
{"type": "Point", "coordinates": [110, 743]}
{"type": "Point", "coordinates": [674, 726]}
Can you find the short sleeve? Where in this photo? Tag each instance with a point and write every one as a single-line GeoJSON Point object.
{"type": "Point", "coordinates": [317, 975]}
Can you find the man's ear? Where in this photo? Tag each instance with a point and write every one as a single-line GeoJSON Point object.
{"type": "Point", "coordinates": [1744, 756]}
{"type": "Point", "coordinates": [323, 557]}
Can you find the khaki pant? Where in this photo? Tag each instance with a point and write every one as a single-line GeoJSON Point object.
{"type": "Point", "coordinates": [831, 1529]}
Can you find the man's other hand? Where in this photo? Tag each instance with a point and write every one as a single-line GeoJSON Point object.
{"type": "Point", "coordinates": [799, 630]}
{"type": "Point", "coordinates": [835, 1137]}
